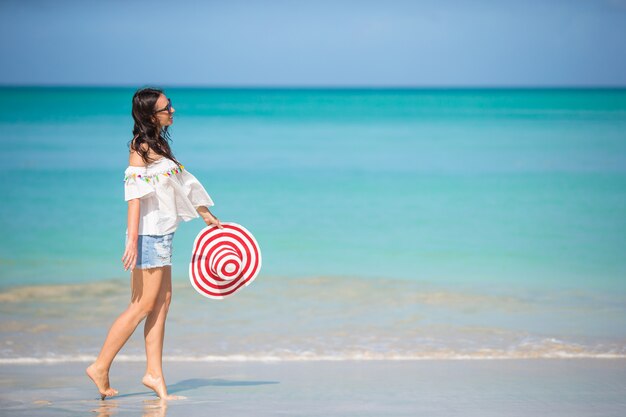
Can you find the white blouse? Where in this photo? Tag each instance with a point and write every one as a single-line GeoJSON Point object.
{"type": "Point", "coordinates": [168, 194]}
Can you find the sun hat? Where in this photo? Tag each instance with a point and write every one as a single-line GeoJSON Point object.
{"type": "Point", "coordinates": [223, 260]}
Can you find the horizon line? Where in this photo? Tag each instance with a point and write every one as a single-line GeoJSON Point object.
{"type": "Point", "coordinates": [325, 87]}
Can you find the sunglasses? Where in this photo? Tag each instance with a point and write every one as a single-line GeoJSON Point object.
{"type": "Point", "coordinates": [167, 108]}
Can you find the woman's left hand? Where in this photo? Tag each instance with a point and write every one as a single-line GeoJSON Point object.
{"type": "Point", "coordinates": [211, 220]}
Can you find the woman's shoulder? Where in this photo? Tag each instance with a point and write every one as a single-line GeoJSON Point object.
{"type": "Point", "coordinates": [135, 159]}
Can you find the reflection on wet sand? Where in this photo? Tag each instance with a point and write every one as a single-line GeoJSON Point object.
{"type": "Point", "coordinates": [106, 408]}
{"type": "Point", "coordinates": [154, 408]}
{"type": "Point", "coordinates": [151, 408]}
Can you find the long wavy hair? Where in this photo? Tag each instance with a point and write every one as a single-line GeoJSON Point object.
{"type": "Point", "coordinates": [146, 129]}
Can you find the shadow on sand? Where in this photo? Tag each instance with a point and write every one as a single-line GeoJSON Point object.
{"type": "Point", "coordinates": [189, 384]}
{"type": "Point", "coordinates": [193, 383]}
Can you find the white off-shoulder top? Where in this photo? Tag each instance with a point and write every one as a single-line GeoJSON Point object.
{"type": "Point", "coordinates": [168, 194]}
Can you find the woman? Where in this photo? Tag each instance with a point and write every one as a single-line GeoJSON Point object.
{"type": "Point", "coordinates": [160, 193]}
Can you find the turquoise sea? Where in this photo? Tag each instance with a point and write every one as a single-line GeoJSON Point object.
{"type": "Point", "coordinates": [393, 223]}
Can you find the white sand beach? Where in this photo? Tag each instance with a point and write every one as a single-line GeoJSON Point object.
{"type": "Point", "coordinates": [539, 387]}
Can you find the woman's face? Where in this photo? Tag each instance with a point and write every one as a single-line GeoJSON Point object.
{"type": "Point", "coordinates": [163, 117]}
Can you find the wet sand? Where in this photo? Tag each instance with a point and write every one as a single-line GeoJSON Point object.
{"type": "Point", "coordinates": [541, 387]}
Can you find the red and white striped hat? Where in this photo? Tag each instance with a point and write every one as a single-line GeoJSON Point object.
{"type": "Point", "coordinates": [223, 260]}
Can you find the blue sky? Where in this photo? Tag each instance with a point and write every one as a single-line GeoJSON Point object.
{"type": "Point", "coordinates": [314, 43]}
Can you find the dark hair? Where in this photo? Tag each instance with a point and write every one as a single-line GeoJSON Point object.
{"type": "Point", "coordinates": [145, 129]}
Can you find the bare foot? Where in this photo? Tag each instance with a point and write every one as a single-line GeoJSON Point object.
{"type": "Point", "coordinates": [157, 384]}
{"type": "Point", "coordinates": [101, 379]}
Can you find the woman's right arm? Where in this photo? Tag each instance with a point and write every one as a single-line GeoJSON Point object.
{"type": "Point", "coordinates": [133, 219]}
{"type": "Point", "coordinates": [130, 254]}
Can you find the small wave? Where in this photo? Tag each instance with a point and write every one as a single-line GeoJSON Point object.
{"type": "Point", "coordinates": [482, 354]}
{"type": "Point", "coordinates": [62, 293]}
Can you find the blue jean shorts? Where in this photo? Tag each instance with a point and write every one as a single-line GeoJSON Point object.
{"type": "Point", "coordinates": [154, 250]}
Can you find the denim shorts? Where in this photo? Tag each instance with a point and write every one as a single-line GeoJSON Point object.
{"type": "Point", "coordinates": [154, 250]}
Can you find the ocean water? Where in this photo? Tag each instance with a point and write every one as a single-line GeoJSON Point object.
{"type": "Point", "coordinates": [392, 223]}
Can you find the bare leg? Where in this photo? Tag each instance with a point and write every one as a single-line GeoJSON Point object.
{"type": "Point", "coordinates": [145, 287]}
{"type": "Point", "coordinates": [154, 332]}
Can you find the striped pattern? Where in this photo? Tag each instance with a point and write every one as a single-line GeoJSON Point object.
{"type": "Point", "coordinates": [223, 260]}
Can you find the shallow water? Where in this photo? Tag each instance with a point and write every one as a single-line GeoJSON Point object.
{"type": "Point", "coordinates": [393, 223]}
{"type": "Point", "coordinates": [325, 318]}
